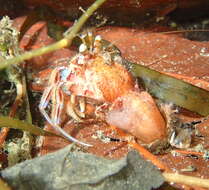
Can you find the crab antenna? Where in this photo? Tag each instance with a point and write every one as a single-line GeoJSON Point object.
{"type": "Point", "coordinates": [91, 40]}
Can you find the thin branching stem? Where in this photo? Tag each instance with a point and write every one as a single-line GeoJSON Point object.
{"type": "Point", "coordinates": [57, 45]}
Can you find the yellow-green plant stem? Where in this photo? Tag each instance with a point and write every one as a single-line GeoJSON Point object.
{"type": "Point", "coordinates": [57, 45]}
{"type": "Point", "coordinates": [4, 186]}
{"type": "Point", "coordinates": [183, 31]}
{"type": "Point", "coordinates": [27, 138]}
{"type": "Point", "coordinates": [10, 122]}
{"type": "Point", "coordinates": [186, 180]}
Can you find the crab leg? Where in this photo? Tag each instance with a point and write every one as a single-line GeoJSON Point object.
{"type": "Point", "coordinates": [82, 105]}
{"type": "Point", "coordinates": [70, 109]}
{"type": "Point", "coordinates": [78, 112]}
{"type": "Point", "coordinates": [42, 107]}
{"type": "Point", "coordinates": [57, 104]}
{"type": "Point", "coordinates": [47, 95]}
{"type": "Point", "coordinates": [57, 128]}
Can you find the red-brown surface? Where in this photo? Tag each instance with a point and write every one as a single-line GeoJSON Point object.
{"type": "Point", "coordinates": [132, 10]}
{"type": "Point", "coordinates": [126, 12]}
{"type": "Point", "coordinates": [159, 7]}
{"type": "Point", "coordinates": [165, 53]}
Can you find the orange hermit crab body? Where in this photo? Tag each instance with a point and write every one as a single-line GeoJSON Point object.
{"type": "Point", "coordinates": [93, 73]}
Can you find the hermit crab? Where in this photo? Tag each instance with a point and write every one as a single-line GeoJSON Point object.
{"type": "Point", "coordinates": [97, 73]}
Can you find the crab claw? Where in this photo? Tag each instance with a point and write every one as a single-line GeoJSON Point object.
{"type": "Point", "coordinates": [138, 114]}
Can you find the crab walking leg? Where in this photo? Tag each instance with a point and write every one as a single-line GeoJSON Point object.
{"type": "Point", "coordinates": [57, 104]}
{"type": "Point", "coordinates": [82, 104]}
{"type": "Point", "coordinates": [42, 106]}
{"type": "Point", "coordinates": [71, 112]}
{"type": "Point", "coordinates": [76, 110]}
{"type": "Point", "coordinates": [50, 92]}
{"type": "Point", "coordinates": [57, 111]}
{"type": "Point", "coordinates": [57, 128]}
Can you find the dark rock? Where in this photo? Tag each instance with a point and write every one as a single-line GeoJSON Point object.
{"type": "Point", "coordinates": [77, 170]}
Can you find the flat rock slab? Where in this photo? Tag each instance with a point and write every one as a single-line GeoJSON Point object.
{"type": "Point", "coordinates": [165, 53]}
{"type": "Point", "coordinates": [65, 169]}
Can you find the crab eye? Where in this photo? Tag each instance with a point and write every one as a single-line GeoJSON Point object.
{"type": "Point", "coordinates": [82, 48]}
